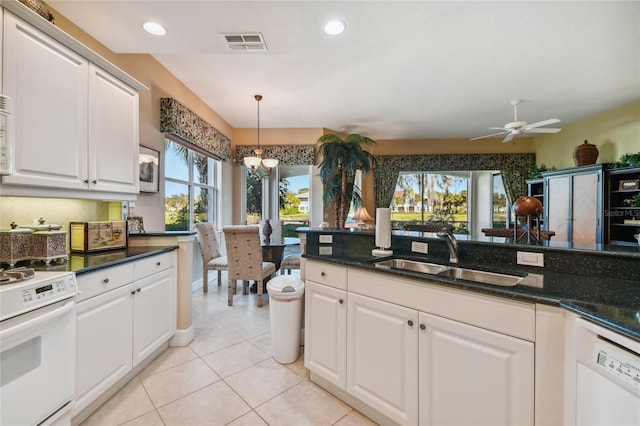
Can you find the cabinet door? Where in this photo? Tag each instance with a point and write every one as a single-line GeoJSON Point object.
{"type": "Point", "coordinates": [154, 314]}
{"type": "Point", "coordinates": [585, 215]}
{"type": "Point", "coordinates": [48, 86]}
{"type": "Point", "coordinates": [325, 337]}
{"type": "Point", "coordinates": [113, 133]}
{"type": "Point", "coordinates": [557, 207]}
{"type": "Point", "coordinates": [472, 376]}
{"type": "Point", "coordinates": [382, 357]}
{"type": "Point", "coordinates": [104, 339]}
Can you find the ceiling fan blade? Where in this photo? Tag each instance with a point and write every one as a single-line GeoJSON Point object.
{"type": "Point", "coordinates": [498, 128]}
{"type": "Point", "coordinates": [508, 138]}
{"type": "Point", "coordinates": [488, 136]}
{"type": "Point", "coordinates": [541, 123]}
{"type": "Point", "coordinates": [542, 130]}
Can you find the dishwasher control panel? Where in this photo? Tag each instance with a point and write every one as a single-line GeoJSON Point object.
{"type": "Point", "coordinates": [625, 371]}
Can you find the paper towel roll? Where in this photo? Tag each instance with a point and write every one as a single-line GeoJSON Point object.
{"type": "Point", "coordinates": [383, 232]}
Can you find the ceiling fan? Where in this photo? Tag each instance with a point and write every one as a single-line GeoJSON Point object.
{"type": "Point", "coordinates": [516, 127]}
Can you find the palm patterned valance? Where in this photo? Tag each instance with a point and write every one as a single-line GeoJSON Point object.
{"type": "Point", "coordinates": [513, 167]}
{"type": "Point", "coordinates": [178, 120]}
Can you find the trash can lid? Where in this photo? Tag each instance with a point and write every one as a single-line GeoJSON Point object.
{"type": "Point", "coordinates": [285, 285]}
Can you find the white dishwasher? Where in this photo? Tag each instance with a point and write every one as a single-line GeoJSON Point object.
{"type": "Point", "coordinates": [607, 377]}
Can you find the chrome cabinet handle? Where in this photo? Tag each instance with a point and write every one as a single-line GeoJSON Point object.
{"type": "Point", "coordinates": [133, 292]}
{"type": "Point", "coordinates": [423, 327]}
{"type": "Point", "coordinates": [138, 289]}
{"type": "Point", "coordinates": [158, 264]}
{"type": "Point", "coordinates": [322, 274]}
{"type": "Point", "coordinates": [94, 182]}
{"type": "Point", "coordinates": [340, 301]}
{"type": "Point", "coordinates": [410, 323]}
{"type": "Point", "coordinates": [106, 281]}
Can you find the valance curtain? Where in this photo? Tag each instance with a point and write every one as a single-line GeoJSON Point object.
{"type": "Point", "coordinates": [513, 168]}
{"type": "Point", "coordinates": [289, 155]}
{"type": "Point", "coordinates": [186, 125]}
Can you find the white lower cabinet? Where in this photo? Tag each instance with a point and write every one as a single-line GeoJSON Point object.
{"type": "Point", "coordinates": [154, 318]}
{"type": "Point", "coordinates": [417, 368]}
{"type": "Point", "coordinates": [382, 357]}
{"type": "Point", "coordinates": [326, 332]}
{"type": "Point", "coordinates": [104, 343]}
{"type": "Point", "coordinates": [124, 314]}
{"type": "Point", "coordinates": [472, 376]}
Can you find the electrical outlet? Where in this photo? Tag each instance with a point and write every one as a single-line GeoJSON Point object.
{"type": "Point", "coordinates": [325, 250]}
{"type": "Point", "coordinates": [325, 239]}
{"type": "Point", "coordinates": [530, 259]}
{"type": "Point", "coordinates": [420, 247]}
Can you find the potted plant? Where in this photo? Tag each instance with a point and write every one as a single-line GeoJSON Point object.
{"type": "Point", "coordinates": [537, 171]}
{"type": "Point", "coordinates": [340, 160]}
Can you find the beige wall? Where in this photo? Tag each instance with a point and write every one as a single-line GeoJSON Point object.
{"type": "Point", "coordinates": [614, 132]}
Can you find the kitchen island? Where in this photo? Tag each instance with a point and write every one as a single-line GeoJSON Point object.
{"type": "Point", "coordinates": [408, 347]}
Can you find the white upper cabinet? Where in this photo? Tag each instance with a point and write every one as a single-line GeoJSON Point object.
{"type": "Point", "coordinates": [113, 133]}
{"type": "Point", "coordinates": [76, 126]}
{"type": "Point", "coordinates": [48, 86]}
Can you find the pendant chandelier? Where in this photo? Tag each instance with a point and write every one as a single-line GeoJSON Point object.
{"type": "Point", "coordinates": [257, 164]}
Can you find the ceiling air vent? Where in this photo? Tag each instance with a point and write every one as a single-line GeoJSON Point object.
{"type": "Point", "coordinates": [253, 41]}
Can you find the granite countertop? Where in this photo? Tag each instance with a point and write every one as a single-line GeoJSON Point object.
{"type": "Point", "coordinates": [81, 263]}
{"type": "Point", "coordinates": [613, 303]}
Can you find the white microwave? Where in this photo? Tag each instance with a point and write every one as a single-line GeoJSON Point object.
{"type": "Point", "coordinates": [6, 145]}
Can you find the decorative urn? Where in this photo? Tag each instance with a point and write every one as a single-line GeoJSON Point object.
{"type": "Point", "coordinates": [585, 154]}
{"type": "Point", "coordinates": [527, 206]}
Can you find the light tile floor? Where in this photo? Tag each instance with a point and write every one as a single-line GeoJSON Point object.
{"type": "Point", "coordinates": [226, 376]}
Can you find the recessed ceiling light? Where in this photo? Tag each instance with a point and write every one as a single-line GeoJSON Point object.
{"type": "Point", "coordinates": [154, 28]}
{"type": "Point", "coordinates": [334, 27]}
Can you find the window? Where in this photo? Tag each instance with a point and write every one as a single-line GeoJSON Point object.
{"type": "Point", "coordinates": [431, 197]}
{"type": "Point", "coordinates": [190, 191]}
{"type": "Point", "coordinates": [500, 210]}
{"type": "Point", "coordinates": [294, 204]}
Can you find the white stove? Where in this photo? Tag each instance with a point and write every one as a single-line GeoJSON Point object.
{"type": "Point", "coordinates": [37, 346]}
{"type": "Point", "coordinates": [23, 290]}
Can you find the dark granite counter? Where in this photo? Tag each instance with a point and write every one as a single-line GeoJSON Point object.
{"type": "Point", "coordinates": [602, 286]}
{"type": "Point", "coordinates": [81, 263]}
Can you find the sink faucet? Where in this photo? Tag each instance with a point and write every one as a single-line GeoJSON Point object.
{"type": "Point", "coordinates": [447, 235]}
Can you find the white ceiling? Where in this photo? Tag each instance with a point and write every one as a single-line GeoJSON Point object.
{"type": "Point", "coordinates": [401, 70]}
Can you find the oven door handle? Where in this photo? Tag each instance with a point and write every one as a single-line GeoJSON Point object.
{"type": "Point", "coordinates": [37, 321]}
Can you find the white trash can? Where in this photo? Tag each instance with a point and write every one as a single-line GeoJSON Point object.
{"type": "Point", "coordinates": [285, 309]}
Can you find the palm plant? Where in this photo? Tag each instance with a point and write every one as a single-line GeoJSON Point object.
{"type": "Point", "coordinates": [340, 161]}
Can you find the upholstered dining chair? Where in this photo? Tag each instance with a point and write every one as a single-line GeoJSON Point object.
{"type": "Point", "coordinates": [290, 262]}
{"type": "Point", "coordinates": [244, 256]}
{"type": "Point", "coordinates": [212, 259]}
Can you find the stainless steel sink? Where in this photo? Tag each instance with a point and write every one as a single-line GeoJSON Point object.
{"type": "Point", "coordinates": [485, 277]}
{"type": "Point", "coordinates": [482, 276]}
{"type": "Point", "coordinates": [412, 265]}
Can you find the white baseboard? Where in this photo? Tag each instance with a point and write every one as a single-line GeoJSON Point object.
{"type": "Point", "coordinates": [182, 337]}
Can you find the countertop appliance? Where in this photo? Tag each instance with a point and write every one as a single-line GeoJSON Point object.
{"type": "Point", "coordinates": [607, 377]}
{"type": "Point", "coordinates": [37, 346]}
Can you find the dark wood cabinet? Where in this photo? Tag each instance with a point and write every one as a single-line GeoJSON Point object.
{"type": "Point", "coordinates": [622, 213]}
